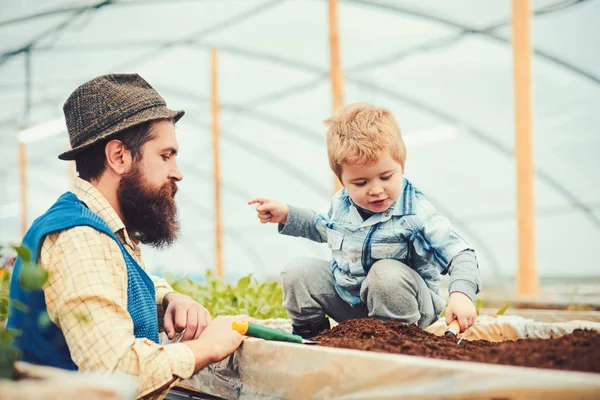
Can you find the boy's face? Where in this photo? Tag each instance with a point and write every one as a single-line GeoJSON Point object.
{"type": "Point", "coordinates": [376, 185]}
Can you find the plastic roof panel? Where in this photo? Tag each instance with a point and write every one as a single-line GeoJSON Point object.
{"type": "Point", "coordinates": [442, 67]}
{"type": "Point", "coordinates": [570, 35]}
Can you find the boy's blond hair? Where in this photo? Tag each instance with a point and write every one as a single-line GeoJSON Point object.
{"type": "Point", "coordinates": [358, 134]}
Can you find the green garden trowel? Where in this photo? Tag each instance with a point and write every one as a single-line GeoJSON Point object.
{"type": "Point", "coordinates": [263, 332]}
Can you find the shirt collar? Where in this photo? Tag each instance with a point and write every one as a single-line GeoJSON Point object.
{"type": "Point", "coordinates": [97, 203]}
{"type": "Point", "coordinates": [404, 205]}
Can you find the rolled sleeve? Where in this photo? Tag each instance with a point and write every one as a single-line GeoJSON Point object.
{"type": "Point", "coordinates": [464, 274]}
{"type": "Point", "coordinates": [304, 223]}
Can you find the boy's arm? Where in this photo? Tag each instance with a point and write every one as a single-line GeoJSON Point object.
{"type": "Point", "coordinates": [438, 243]}
{"type": "Point", "coordinates": [304, 223]}
{"type": "Point", "coordinates": [464, 274]}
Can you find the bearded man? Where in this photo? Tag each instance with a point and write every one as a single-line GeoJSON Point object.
{"type": "Point", "coordinates": [103, 306]}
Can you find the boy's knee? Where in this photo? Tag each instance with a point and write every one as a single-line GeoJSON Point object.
{"type": "Point", "coordinates": [390, 274]}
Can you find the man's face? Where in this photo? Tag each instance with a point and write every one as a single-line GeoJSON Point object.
{"type": "Point", "coordinates": [146, 193]}
{"type": "Point", "coordinates": [376, 185]}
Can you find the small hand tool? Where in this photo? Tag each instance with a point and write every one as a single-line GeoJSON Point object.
{"type": "Point", "coordinates": [263, 332]}
{"type": "Point", "coordinates": [454, 329]}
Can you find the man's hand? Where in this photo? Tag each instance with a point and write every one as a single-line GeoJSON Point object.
{"type": "Point", "coordinates": [217, 341]}
{"type": "Point", "coordinates": [461, 308]}
{"type": "Point", "coordinates": [182, 312]}
{"type": "Point", "coordinates": [270, 210]}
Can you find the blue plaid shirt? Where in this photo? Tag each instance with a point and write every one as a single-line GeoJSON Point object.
{"type": "Point", "coordinates": [410, 231]}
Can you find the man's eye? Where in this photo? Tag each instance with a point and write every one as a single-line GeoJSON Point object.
{"type": "Point", "coordinates": [165, 158]}
{"type": "Point", "coordinates": [359, 184]}
{"type": "Point", "coordinates": [385, 178]}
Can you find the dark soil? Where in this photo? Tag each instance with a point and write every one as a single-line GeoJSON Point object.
{"type": "Point", "coordinates": [579, 351]}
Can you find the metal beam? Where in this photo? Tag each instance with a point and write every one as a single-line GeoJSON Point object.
{"type": "Point", "coordinates": [246, 14]}
{"type": "Point", "coordinates": [57, 28]}
{"type": "Point", "coordinates": [466, 30]}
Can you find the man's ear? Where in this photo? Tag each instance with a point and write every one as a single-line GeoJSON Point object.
{"type": "Point", "coordinates": [118, 158]}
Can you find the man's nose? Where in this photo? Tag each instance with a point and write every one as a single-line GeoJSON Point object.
{"type": "Point", "coordinates": [176, 173]}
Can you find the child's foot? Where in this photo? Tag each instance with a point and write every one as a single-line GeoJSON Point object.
{"type": "Point", "coordinates": [311, 330]}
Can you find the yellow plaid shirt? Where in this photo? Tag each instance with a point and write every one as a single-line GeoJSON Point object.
{"type": "Point", "coordinates": [86, 297]}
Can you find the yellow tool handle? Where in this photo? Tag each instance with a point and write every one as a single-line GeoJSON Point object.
{"type": "Point", "coordinates": [453, 328]}
{"type": "Point", "coordinates": [263, 332]}
{"type": "Point", "coordinates": [240, 326]}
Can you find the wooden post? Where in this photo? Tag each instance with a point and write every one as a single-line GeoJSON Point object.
{"type": "Point", "coordinates": [217, 173]}
{"type": "Point", "coordinates": [527, 279]}
{"type": "Point", "coordinates": [335, 74]}
{"type": "Point", "coordinates": [23, 182]}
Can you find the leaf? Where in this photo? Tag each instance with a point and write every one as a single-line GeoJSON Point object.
{"type": "Point", "coordinates": [169, 277]}
{"type": "Point", "coordinates": [82, 317]}
{"type": "Point", "coordinates": [503, 309]}
{"type": "Point", "coordinates": [43, 320]}
{"type": "Point", "coordinates": [32, 277]}
{"type": "Point", "coordinates": [265, 310]}
{"type": "Point", "coordinates": [8, 353]}
{"type": "Point", "coordinates": [243, 283]}
{"type": "Point", "coordinates": [478, 305]}
{"type": "Point", "coordinates": [19, 306]}
{"type": "Point", "coordinates": [23, 252]}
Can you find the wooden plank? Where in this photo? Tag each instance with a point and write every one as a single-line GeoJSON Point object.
{"type": "Point", "coordinates": [335, 73]}
{"type": "Point", "coordinates": [216, 165]}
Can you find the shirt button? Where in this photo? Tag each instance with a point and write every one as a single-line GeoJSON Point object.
{"type": "Point", "coordinates": [362, 229]}
{"type": "Point", "coordinates": [387, 214]}
{"type": "Point", "coordinates": [354, 260]}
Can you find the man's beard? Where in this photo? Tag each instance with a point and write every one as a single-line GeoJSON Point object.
{"type": "Point", "coordinates": [150, 214]}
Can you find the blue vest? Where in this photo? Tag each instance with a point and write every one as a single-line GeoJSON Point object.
{"type": "Point", "coordinates": [45, 345]}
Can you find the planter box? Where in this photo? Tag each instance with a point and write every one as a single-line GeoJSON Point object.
{"type": "Point", "coordinates": [266, 369]}
{"type": "Point", "coordinates": [46, 383]}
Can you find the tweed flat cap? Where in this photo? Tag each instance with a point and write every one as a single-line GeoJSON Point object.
{"type": "Point", "coordinates": [109, 104]}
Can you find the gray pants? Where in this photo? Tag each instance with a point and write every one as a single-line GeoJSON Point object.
{"type": "Point", "coordinates": [391, 290]}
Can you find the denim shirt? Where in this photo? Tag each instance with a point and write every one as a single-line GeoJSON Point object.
{"type": "Point", "coordinates": [410, 231]}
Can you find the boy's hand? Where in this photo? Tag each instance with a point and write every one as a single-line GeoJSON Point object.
{"type": "Point", "coordinates": [461, 308]}
{"type": "Point", "coordinates": [270, 210]}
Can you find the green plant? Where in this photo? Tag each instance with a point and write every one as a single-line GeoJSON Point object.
{"type": "Point", "coordinates": [247, 296]}
{"type": "Point", "coordinates": [503, 309]}
{"type": "Point", "coordinates": [8, 353]}
{"type": "Point", "coordinates": [4, 287]}
{"type": "Point", "coordinates": [478, 305]}
{"type": "Point", "coordinates": [31, 277]}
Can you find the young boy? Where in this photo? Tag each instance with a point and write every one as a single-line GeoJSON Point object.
{"type": "Point", "coordinates": [389, 246]}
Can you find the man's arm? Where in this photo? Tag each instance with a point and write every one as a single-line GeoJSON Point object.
{"type": "Point", "coordinates": [162, 289]}
{"type": "Point", "coordinates": [86, 297]}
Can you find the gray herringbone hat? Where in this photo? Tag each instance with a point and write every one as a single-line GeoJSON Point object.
{"type": "Point", "coordinates": [109, 104]}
